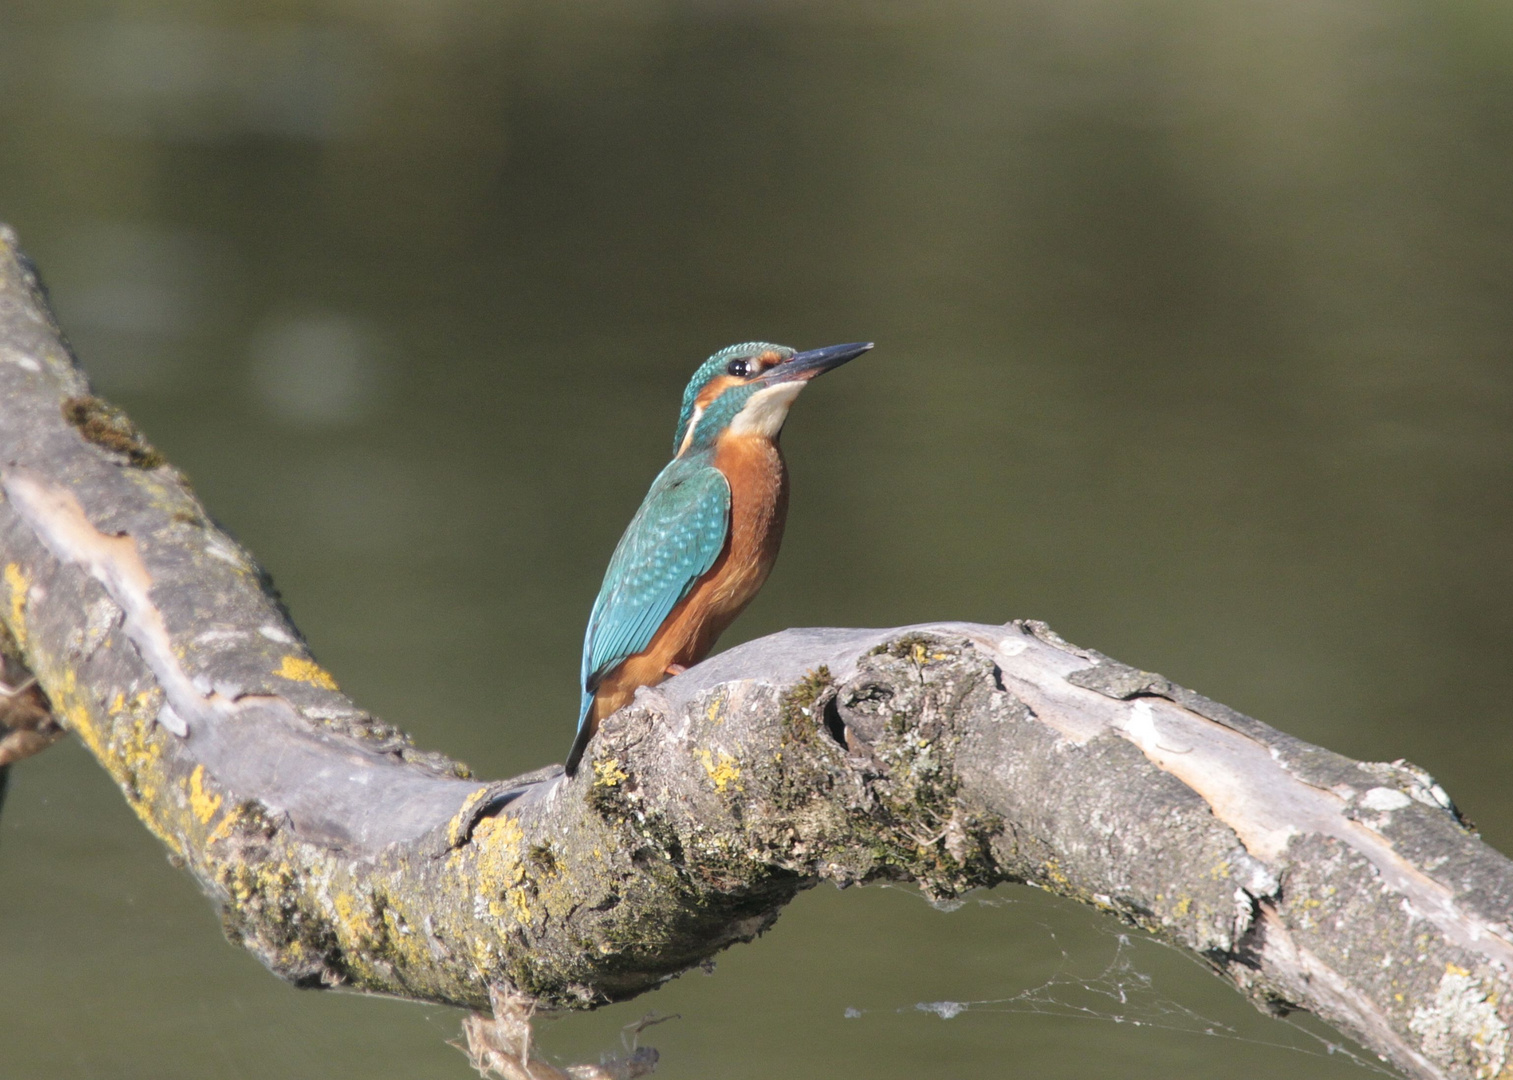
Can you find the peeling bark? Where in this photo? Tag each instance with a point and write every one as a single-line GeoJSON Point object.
{"type": "Point", "coordinates": [952, 755]}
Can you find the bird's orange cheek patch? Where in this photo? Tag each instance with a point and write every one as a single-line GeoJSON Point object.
{"type": "Point", "coordinates": [714, 388]}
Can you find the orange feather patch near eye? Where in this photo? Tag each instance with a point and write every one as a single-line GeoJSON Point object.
{"type": "Point", "coordinates": [769, 358]}
{"type": "Point", "coordinates": [714, 388]}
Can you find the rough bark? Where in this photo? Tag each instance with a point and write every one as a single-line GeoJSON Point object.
{"type": "Point", "coordinates": [952, 755]}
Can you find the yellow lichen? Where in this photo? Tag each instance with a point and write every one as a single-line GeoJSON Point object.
{"type": "Point", "coordinates": [353, 919]}
{"type": "Point", "coordinates": [494, 831]}
{"type": "Point", "coordinates": [140, 754]}
{"type": "Point", "coordinates": [76, 717]}
{"type": "Point", "coordinates": [501, 872]}
{"type": "Point", "coordinates": [15, 580]}
{"type": "Point", "coordinates": [519, 906]}
{"type": "Point", "coordinates": [712, 714]}
{"type": "Point", "coordinates": [408, 947]}
{"type": "Point", "coordinates": [1054, 873]}
{"type": "Point", "coordinates": [483, 953]}
{"type": "Point", "coordinates": [609, 774]}
{"type": "Point", "coordinates": [497, 842]}
{"type": "Point", "coordinates": [245, 881]}
{"type": "Point", "coordinates": [463, 816]}
{"type": "Point", "coordinates": [723, 772]}
{"type": "Point", "coordinates": [1183, 907]}
{"type": "Point", "coordinates": [133, 756]}
{"type": "Point", "coordinates": [1455, 969]}
{"type": "Point", "coordinates": [223, 830]}
{"type": "Point", "coordinates": [301, 669]}
{"type": "Point", "coordinates": [201, 801]}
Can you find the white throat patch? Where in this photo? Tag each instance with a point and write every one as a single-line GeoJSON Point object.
{"type": "Point", "coordinates": [766, 410]}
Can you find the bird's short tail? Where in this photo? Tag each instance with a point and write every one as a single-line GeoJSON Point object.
{"type": "Point", "coordinates": [585, 733]}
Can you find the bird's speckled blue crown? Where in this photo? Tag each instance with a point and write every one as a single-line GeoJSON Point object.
{"type": "Point", "coordinates": [712, 368]}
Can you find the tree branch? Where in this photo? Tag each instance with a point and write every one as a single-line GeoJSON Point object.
{"type": "Point", "coordinates": [952, 755]}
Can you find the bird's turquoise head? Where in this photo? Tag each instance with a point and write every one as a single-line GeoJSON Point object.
{"type": "Point", "coordinates": [747, 388]}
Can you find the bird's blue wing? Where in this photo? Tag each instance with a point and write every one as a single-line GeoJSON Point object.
{"type": "Point", "coordinates": [672, 541]}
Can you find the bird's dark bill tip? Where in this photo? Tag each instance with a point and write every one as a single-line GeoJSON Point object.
{"type": "Point", "coordinates": [806, 365]}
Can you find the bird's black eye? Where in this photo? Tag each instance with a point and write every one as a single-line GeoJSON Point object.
{"type": "Point", "coordinates": [739, 368]}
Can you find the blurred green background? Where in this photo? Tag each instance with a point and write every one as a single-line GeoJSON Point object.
{"type": "Point", "coordinates": [1193, 329]}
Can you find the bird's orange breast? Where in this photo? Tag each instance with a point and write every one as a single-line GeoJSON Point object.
{"type": "Point", "coordinates": [758, 480]}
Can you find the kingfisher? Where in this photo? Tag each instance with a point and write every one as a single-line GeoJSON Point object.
{"type": "Point", "coordinates": [708, 531]}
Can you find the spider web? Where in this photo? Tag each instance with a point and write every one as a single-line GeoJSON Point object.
{"type": "Point", "coordinates": [1117, 990]}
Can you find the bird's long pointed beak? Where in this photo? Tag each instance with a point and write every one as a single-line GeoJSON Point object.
{"type": "Point", "coordinates": [806, 365]}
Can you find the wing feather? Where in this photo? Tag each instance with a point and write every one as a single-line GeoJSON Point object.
{"type": "Point", "coordinates": [673, 540]}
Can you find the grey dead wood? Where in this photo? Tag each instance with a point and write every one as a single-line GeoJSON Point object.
{"type": "Point", "coordinates": [950, 755]}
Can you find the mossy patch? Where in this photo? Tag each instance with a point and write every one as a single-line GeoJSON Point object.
{"type": "Point", "coordinates": [909, 647]}
{"type": "Point", "coordinates": [544, 859]}
{"type": "Point", "coordinates": [111, 429]}
{"type": "Point", "coordinates": [798, 707]}
{"type": "Point", "coordinates": [907, 696]}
